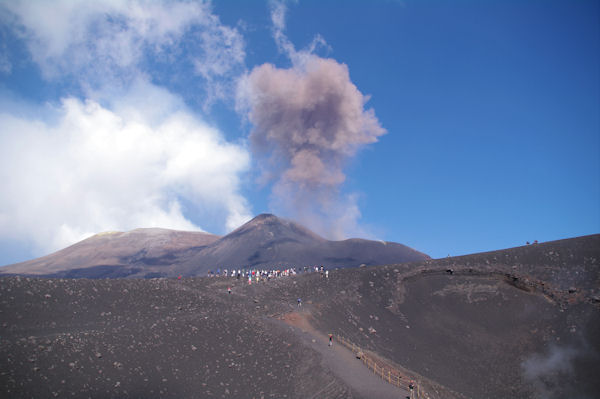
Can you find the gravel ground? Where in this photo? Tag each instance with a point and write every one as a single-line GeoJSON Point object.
{"type": "Point", "coordinates": [487, 326]}
{"type": "Point", "coordinates": [146, 338]}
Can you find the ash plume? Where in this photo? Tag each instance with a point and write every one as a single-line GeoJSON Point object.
{"type": "Point", "coordinates": [308, 121]}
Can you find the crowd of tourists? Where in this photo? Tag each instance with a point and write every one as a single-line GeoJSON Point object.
{"type": "Point", "coordinates": [257, 274]}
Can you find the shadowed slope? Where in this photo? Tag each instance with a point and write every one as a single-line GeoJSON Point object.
{"type": "Point", "coordinates": [265, 240]}
{"type": "Point", "coordinates": [269, 241]}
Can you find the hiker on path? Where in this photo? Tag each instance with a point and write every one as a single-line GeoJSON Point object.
{"type": "Point", "coordinates": [229, 290]}
{"type": "Point", "coordinates": [299, 302]}
{"type": "Point", "coordinates": [330, 339]}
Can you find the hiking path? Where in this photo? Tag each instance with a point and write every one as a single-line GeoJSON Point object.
{"type": "Point", "coordinates": [341, 361]}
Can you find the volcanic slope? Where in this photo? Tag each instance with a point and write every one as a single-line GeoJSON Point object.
{"type": "Point", "coordinates": [160, 338]}
{"type": "Point", "coordinates": [269, 241]}
{"type": "Point", "coordinates": [266, 242]}
{"type": "Point", "coordinates": [518, 323]}
{"type": "Point", "coordinates": [116, 254]}
{"type": "Point", "coordinates": [493, 325]}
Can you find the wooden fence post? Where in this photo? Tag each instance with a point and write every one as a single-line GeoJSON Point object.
{"type": "Point", "coordinates": [372, 365]}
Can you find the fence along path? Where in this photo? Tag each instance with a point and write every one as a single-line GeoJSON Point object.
{"type": "Point", "coordinates": [342, 362]}
{"type": "Point", "coordinates": [389, 374]}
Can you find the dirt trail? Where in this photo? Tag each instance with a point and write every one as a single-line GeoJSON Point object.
{"type": "Point", "coordinates": [342, 362]}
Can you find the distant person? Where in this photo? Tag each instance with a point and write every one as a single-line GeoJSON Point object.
{"type": "Point", "coordinates": [229, 290]}
{"type": "Point", "coordinates": [299, 302]}
{"type": "Point", "coordinates": [330, 339]}
{"type": "Point", "coordinates": [326, 273]}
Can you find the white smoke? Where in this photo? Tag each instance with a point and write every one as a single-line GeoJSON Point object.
{"type": "Point", "coordinates": [552, 373]}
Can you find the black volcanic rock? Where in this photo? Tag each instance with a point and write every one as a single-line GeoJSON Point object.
{"type": "Point", "coordinates": [266, 227]}
{"type": "Point", "coordinates": [515, 323]}
{"type": "Point", "coordinates": [269, 241]}
{"type": "Point", "coordinates": [266, 241]}
{"type": "Point", "coordinates": [147, 338]}
{"type": "Point", "coordinates": [473, 333]}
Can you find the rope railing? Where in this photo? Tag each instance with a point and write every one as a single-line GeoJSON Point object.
{"type": "Point", "coordinates": [389, 374]}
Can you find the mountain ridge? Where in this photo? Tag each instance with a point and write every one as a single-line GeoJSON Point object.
{"type": "Point", "coordinates": [265, 241]}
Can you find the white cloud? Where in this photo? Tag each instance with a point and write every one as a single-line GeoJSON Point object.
{"type": "Point", "coordinates": [285, 46]}
{"type": "Point", "coordinates": [87, 168]}
{"type": "Point", "coordinates": [223, 50]}
{"type": "Point", "coordinates": [113, 41]}
{"type": "Point", "coordinates": [5, 64]}
{"type": "Point", "coordinates": [127, 153]}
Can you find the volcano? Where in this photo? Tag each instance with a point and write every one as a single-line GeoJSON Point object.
{"type": "Point", "coordinates": [266, 241]}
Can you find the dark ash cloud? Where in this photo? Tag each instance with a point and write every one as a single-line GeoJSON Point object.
{"type": "Point", "coordinates": [309, 120]}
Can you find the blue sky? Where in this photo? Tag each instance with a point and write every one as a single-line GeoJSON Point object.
{"type": "Point", "coordinates": [452, 127]}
